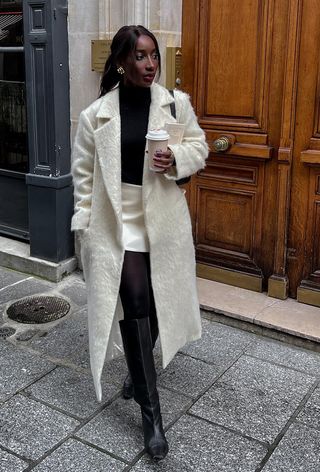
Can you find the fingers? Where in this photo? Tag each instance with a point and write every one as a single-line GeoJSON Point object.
{"type": "Point", "coordinates": [163, 160]}
{"type": "Point", "coordinates": [166, 154]}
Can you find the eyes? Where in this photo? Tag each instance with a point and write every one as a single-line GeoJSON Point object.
{"type": "Point", "coordinates": [141, 56]}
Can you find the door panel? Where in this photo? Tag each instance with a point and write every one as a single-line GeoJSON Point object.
{"type": "Point", "coordinates": [14, 205]}
{"type": "Point", "coordinates": [234, 86]}
{"type": "Point", "coordinates": [236, 71]}
{"type": "Point", "coordinates": [229, 207]}
{"type": "Point", "coordinates": [232, 235]}
{"type": "Point", "coordinates": [304, 223]}
{"type": "Point", "coordinates": [228, 55]}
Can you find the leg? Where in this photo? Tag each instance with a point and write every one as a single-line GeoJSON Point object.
{"type": "Point", "coordinates": [152, 310]}
{"type": "Point", "coordinates": [136, 289]}
{"type": "Point", "coordinates": [136, 334]}
{"type": "Point", "coordinates": [134, 286]}
{"type": "Point", "coordinates": [137, 298]}
{"type": "Point", "coordinates": [134, 296]}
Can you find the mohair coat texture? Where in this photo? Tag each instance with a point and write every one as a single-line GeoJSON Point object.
{"type": "Point", "coordinates": [96, 168]}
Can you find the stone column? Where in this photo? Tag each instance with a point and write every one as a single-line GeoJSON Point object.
{"type": "Point", "coordinates": [84, 24]}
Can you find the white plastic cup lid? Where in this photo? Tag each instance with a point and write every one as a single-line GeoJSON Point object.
{"type": "Point", "coordinates": [158, 135]}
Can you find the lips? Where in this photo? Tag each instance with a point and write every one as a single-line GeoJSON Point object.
{"type": "Point", "coordinates": [148, 77]}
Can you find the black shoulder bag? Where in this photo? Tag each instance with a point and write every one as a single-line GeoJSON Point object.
{"type": "Point", "coordinates": [185, 180]}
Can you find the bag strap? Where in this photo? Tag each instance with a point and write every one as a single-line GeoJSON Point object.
{"type": "Point", "coordinates": [173, 106]}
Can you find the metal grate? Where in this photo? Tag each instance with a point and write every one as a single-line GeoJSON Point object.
{"type": "Point", "coordinates": [6, 332]}
{"type": "Point", "coordinates": [40, 309]}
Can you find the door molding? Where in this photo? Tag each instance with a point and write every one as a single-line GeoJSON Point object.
{"type": "Point", "coordinates": [278, 283]}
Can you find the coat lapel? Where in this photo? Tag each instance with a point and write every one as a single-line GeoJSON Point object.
{"type": "Point", "coordinates": [159, 108]}
{"type": "Point", "coordinates": [159, 114]}
{"type": "Point", "coordinates": [108, 146]}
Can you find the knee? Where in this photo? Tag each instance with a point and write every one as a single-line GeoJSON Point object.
{"type": "Point", "coordinates": [137, 306]}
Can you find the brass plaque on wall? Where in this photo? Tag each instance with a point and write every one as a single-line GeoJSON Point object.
{"type": "Point", "coordinates": [100, 50]}
{"type": "Point", "coordinates": [173, 67]}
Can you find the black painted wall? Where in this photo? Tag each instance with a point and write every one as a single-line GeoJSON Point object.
{"type": "Point", "coordinates": [48, 107]}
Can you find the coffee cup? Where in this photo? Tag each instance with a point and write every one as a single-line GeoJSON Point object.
{"type": "Point", "coordinates": [157, 140]}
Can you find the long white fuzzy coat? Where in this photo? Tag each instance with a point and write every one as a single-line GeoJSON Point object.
{"type": "Point", "coordinates": [96, 171]}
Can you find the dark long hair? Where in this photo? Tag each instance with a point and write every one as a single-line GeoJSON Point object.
{"type": "Point", "coordinates": [123, 45]}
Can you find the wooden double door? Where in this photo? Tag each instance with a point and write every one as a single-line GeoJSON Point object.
{"type": "Point", "coordinates": [252, 68]}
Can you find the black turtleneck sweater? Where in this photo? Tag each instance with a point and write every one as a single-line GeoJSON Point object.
{"type": "Point", "coordinates": [134, 114]}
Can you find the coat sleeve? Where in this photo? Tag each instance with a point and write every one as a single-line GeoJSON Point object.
{"type": "Point", "coordinates": [191, 154]}
{"type": "Point", "coordinates": [82, 172]}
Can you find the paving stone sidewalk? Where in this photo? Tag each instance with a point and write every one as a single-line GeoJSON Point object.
{"type": "Point", "coordinates": [232, 402]}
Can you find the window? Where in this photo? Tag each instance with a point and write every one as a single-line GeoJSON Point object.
{"type": "Point", "coordinates": [13, 125]}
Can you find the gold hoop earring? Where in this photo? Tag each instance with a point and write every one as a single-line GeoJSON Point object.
{"type": "Point", "coordinates": [120, 70]}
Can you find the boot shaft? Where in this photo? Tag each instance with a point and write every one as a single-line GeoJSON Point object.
{"type": "Point", "coordinates": [137, 342]}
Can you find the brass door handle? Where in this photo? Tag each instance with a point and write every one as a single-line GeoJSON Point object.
{"type": "Point", "coordinates": [221, 144]}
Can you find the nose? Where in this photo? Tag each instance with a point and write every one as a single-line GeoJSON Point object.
{"type": "Point", "coordinates": [150, 64]}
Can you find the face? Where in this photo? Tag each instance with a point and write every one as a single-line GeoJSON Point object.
{"type": "Point", "coordinates": [141, 69]}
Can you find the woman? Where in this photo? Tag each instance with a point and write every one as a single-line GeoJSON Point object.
{"type": "Point", "coordinates": [134, 225]}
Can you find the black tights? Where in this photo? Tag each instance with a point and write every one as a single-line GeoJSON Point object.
{"type": "Point", "coordinates": [135, 288]}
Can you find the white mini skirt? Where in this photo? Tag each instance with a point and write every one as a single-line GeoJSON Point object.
{"type": "Point", "coordinates": [134, 232]}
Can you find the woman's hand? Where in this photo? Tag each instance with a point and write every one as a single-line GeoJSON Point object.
{"type": "Point", "coordinates": [163, 160]}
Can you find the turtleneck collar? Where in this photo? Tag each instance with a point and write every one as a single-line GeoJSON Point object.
{"type": "Point", "coordinates": [134, 94]}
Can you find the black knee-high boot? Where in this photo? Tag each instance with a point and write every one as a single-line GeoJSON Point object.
{"type": "Point", "coordinates": [127, 388]}
{"type": "Point", "coordinates": [137, 343]}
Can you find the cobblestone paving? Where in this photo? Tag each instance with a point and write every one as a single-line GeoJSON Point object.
{"type": "Point", "coordinates": [233, 401]}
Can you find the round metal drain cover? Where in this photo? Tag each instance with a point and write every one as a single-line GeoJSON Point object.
{"type": "Point", "coordinates": [39, 309]}
{"type": "Point", "coordinates": [6, 332]}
